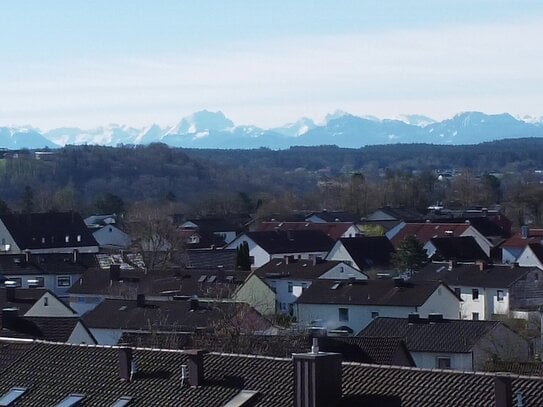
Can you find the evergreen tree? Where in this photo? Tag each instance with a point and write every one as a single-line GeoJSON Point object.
{"type": "Point", "coordinates": [243, 259]}
{"type": "Point", "coordinates": [28, 200]}
{"type": "Point", "coordinates": [410, 255]}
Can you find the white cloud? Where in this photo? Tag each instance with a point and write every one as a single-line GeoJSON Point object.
{"type": "Point", "coordinates": [436, 72]}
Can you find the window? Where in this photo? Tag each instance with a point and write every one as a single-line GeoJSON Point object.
{"type": "Point", "coordinates": [36, 282]}
{"type": "Point", "coordinates": [121, 402]}
{"type": "Point", "coordinates": [475, 316]}
{"type": "Point", "coordinates": [14, 282]}
{"type": "Point", "coordinates": [67, 239]}
{"type": "Point", "coordinates": [443, 363]}
{"type": "Point", "coordinates": [457, 291]}
{"type": "Point", "coordinates": [289, 287]}
{"type": "Point", "coordinates": [9, 398]}
{"type": "Point", "coordinates": [374, 314]}
{"type": "Point", "coordinates": [500, 295]}
{"type": "Point", "coordinates": [343, 314]}
{"type": "Point", "coordinates": [71, 400]}
{"type": "Point", "coordinates": [64, 281]}
{"type": "Point", "coordinates": [475, 294]}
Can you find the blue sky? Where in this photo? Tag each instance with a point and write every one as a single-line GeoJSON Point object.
{"type": "Point", "coordinates": [87, 63]}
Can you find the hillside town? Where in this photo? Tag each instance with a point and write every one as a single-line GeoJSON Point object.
{"type": "Point", "coordinates": [311, 309]}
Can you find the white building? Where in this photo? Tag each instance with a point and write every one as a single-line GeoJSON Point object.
{"type": "Point", "coordinates": [352, 305]}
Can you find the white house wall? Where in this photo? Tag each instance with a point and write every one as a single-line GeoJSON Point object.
{"type": "Point", "coordinates": [260, 256]}
{"type": "Point", "coordinates": [529, 259]}
{"type": "Point", "coordinates": [49, 281]}
{"type": "Point", "coordinates": [339, 253]}
{"type": "Point", "coordinates": [486, 305]}
{"type": "Point", "coordinates": [7, 239]}
{"type": "Point", "coordinates": [442, 301]}
{"type": "Point", "coordinates": [49, 306]}
{"type": "Point", "coordinates": [80, 335]}
{"type": "Point", "coordinates": [112, 236]}
{"type": "Point", "coordinates": [343, 271]}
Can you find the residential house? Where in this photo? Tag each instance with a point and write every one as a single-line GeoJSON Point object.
{"type": "Point", "coordinates": [388, 213]}
{"type": "Point", "coordinates": [111, 237]}
{"type": "Point", "coordinates": [363, 252]}
{"type": "Point", "coordinates": [41, 233]}
{"type": "Point", "coordinates": [289, 277]}
{"type": "Point", "coordinates": [440, 343]}
{"type": "Point", "coordinates": [212, 232]}
{"type": "Point", "coordinates": [335, 230]}
{"type": "Point", "coordinates": [112, 317]}
{"type": "Point", "coordinates": [301, 244]}
{"type": "Point", "coordinates": [55, 272]}
{"type": "Point", "coordinates": [486, 290]}
{"type": "Point", "coordinates": [426, 231]}
{"type": "Point", "coordinates": [40, 314]}
{"type": "Point", "coordinates": [116, 376]}
{"type": "Point", "coordinates": [352, 305]}
{"type": "Point", "coordinates": [462, 248]}
{"type": "Point", "coordinates": [513, 247]}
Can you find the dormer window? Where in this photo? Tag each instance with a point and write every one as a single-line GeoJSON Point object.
{"type": "Point", "coordinates": [78, 238]}
{"type": "Point", "coordinates": [67, 239]}
{"type": "Point", "coordinates": [43, 240]}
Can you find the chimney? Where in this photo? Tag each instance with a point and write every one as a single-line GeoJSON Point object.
{"type": "Point", "coordinates": [196, 367]}
{"type": "Point", "coordinates": [194, 303]}
{"type": "Point", "coordinates": [286, 259]}
{"type": "Point", "coordinates": [75, 254]}
{"type": "Point", "coordinates": [503, 394]}
{"type": "Point", "coordinates": [221, 274]}
{"type": "Point", "coordinates": [9, 317]}
{"type": "Point", "coordinates": [11, 294]}
{"type": "Point", "coordinates": [524, 232]}
{"type": "Point", "coordinates": [115, 272]}
{"type": "Point", "coordinates": [317, 379]}
{"type": "Point", "coordinates": [125, 363]}
{"type": "Point", "coordinates": [482, 265]}
{"type": "Point", "coordinates": [27, 256]}
{"type": "Point", "coordinates": [413, 318]}
{"type": "Point", "coordinates": [452, 264]}
{"type": "Point", "coordinates": [433, 318]}
{"type": "Point", "coordinates": [140, 300]}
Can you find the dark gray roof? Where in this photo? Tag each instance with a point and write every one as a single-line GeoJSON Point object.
{"type": "Point", "coordinates": [447, 335]}
{"type": "Point", "coordinates": [405, 214]}
{"type": "Point", "coordinates": [51, 263]}
{"type": "Point", "coordinates": [334, 216]}
{"type": "Point", "coordinates": [21, 298]}
{"type": "Point", "coordinates": [55, 329]}
{"type": "Point", "coordinates": [201, 258]}
{"type": "Point", "coordinates": [369, 292]}
{"type": "Point", "coordinates": [295, 269]}
{"type": "Point", "coordinates": [204, 283]}
{"type": "Point", "coordinates": [493, 276]}
{"type": "Point", "coordinates": [369, 251]}
{"type": "Point", "coordinates": [29, 229]}
{"type": "Point", "coordinates": [292, 241]}
{"type": "Point", "coordinates": [93, 371]}
{"type": "Point", "coordinates": [167, 315]}
{"type": "Point", "coordinates": [459, 248]}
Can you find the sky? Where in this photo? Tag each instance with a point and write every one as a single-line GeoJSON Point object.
{"type": "Point", "coordinates": [88, 63]}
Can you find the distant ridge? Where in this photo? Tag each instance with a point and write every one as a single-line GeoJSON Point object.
{"type": "Point", "coordinates": [206, 129]}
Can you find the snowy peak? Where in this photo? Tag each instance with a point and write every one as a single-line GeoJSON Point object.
{"type": "Point", "coordinates": [297, 128]}
{"type": "Point", "coordinates": [416, 119]}
{"type": "Point", "coordinates": [202, 121]}
{"type": "Point", "coordinates": [23, 137]}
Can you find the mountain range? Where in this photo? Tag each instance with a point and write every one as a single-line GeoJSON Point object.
{"type": "Point", "coordinates": [205, 129]}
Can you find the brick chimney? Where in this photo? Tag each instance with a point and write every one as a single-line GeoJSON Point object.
{"type": "Point", "coordinates": [503, 393]}
{"type": "Point", "coordinates": [196, 367]}
{"type": "Point", "coordinates": [115, 272]}
{"type": "Point", "coordinates": [125, 363]}
{"type": "Point", "coordinates": [317, 379]}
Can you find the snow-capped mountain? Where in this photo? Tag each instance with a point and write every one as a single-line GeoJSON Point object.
{"type": "Point", "coordinates": [23, 137]}
{"type": "Point", "coordinates": [207, 129]}
{"type": "Point", "coordinates": [297, 128]}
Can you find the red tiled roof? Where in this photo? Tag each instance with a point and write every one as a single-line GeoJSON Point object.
{"type": "Point", "coordinates": [426, 231]}
{"type": "Point", "coordinates": [534, 236]}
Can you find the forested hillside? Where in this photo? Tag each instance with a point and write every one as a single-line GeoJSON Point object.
{"type": "Point", "coordinates": [78, 175]}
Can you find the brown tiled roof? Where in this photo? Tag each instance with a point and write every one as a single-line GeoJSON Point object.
{"type": "Point", "coordinates": [333, 216]}
{"type": "Point", "coordinates": [447, 335]}
{"type": "Point", "coordinates": [534, 368]}
{"type": "Point", "coordinates": [534, 236]}
{"type": "Point", "coordinates": [333, 230]}
{"type": "Point", "coordinates": [93, 371]}
{"type": "Point", "coordinates": [368, 292]}
{"type": "Point", "coordinates": [426, 231]}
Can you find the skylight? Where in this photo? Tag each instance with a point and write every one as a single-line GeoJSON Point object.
{"type": "Point", "coordinates": [13, 394]}
{"type": "Point", "coordinates": [335, 286]}
{"type": "Point", "coordinates": [211, 279]}
{"type": "Point", "coordinates": [242, 398]}
{"type": "Point", "coordinates": [202, 279]}
{"type": "Point", "coordinates": [123, 401]}
{"type": "Point", "coordinates": [71, 400]}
